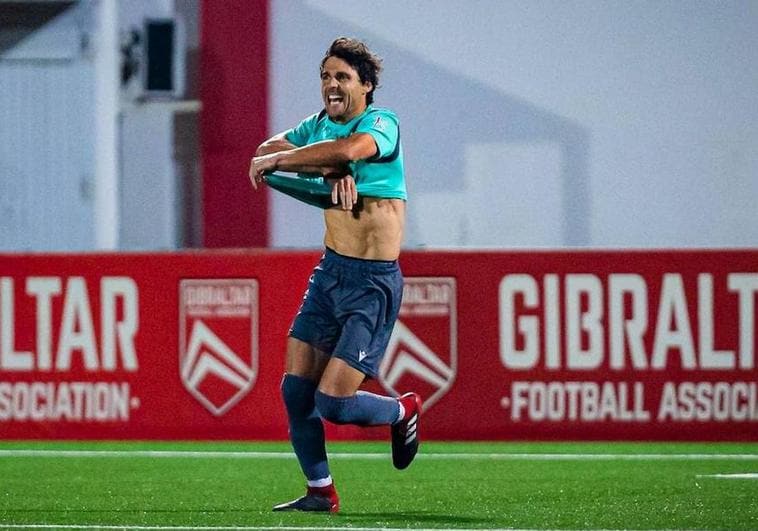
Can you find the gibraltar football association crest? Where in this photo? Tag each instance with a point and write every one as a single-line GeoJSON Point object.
{"type": "Point", "coordinates": [218, 340]}
{"type": "Point", "coordinates": [422, 352]}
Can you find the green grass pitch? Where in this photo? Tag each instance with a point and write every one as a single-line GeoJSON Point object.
{"type": "Point", "coordinates": [189, 485]}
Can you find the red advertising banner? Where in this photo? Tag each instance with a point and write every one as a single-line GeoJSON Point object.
{"type": "Point", "coordinates": [537, 345]}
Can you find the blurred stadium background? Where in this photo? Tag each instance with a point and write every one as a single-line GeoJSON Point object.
{"type": "Point", "coordinates": [581, 255]}
{"type": "Point", "coordinates": [613, 125]}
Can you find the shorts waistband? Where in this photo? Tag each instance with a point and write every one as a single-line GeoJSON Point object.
{"type": "Point", "coordinates": [360, 264]}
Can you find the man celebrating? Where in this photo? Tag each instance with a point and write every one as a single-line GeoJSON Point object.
{"type": "Point", "coordinates": [352, 150]}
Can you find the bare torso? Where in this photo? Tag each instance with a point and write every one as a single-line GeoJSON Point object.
{"type": "Point", "coordinates": [375, 233]}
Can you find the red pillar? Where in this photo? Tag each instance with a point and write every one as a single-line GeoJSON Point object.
{"type": "Point", "coordinates": [234, 120]}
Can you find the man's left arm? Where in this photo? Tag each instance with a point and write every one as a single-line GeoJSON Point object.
{"type": "Point", "coordinates": [275, 144]}
{"type": "Point", "coordinates": [280, 142]}
{"type": "Point", "coordinates": [327, 154]}
{"type": "Point", "coordinates": [324, 154]}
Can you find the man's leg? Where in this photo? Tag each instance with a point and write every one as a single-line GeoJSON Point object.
{"type": "Point", "coordinates": [304, 367]}
{"type": "Point", "coordinates": [339, 401]}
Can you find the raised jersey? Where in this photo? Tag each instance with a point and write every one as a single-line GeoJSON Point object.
{"type": "Point", "coordinates": [380, 176]}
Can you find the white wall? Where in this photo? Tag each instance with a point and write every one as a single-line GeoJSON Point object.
{"type": "Point", "coordinates": [84, 165]}
{"type": "Point", "coordinates": [47, 137]}
{"type": "Point", "coordinates": [149, 194]}
{"type": "Point", "coordinates": [621, 124]}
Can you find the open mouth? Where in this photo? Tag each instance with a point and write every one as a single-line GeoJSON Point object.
{"type": "Point", "coordinates": [334, 100]}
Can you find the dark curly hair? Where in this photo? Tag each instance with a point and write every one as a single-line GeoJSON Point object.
{"type": "Point", "coordinates": [356, 54]}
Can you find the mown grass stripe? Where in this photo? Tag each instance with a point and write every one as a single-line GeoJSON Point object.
{"type": "Point", "coordinates": [189, 454]}
{"type": "Point", "coordinates": [217, 528]}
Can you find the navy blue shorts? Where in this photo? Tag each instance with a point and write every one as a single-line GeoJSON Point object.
{"type": "Point", "coordinates": [350, 308]}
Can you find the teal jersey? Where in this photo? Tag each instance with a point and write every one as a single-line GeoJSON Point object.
{"type": "Point", "coordinates": [380, 176]}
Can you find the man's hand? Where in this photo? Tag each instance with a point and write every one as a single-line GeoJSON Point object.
{"type": "Point", "coordinates": [344, 192]}
{"type": "Point", "coordinates": [259, 165]}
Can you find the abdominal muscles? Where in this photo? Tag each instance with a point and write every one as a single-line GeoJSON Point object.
{"type": "Point", "coordinates": [373, 232]}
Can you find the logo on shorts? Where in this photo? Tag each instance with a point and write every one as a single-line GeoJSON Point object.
{"type": "Point", "coordinates": [218, 340]}
{"type": "Point", "coordinates": [422, 352]}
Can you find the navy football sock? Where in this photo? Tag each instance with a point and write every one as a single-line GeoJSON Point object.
{"type": "Point", "coordinates": [305, 426]}
{"type": "Point", "coordinates": [363, 408]}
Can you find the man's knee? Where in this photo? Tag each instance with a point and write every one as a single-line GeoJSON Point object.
{"type": "Point", "coordinates": [338, 410]}
{"type": "Point", "coordinates": [298, 395]}
{"type": "Point", "coordinates": [305, 360]}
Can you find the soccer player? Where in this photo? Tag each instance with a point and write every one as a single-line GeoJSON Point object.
{"type": "Point", "coordinates": [351, 152]}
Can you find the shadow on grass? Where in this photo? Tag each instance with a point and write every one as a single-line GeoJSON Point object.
{"type": "Point", "coordinates": [370, 519]}
{"type": "Point", "coordinates": [409, 516]}
{"type": "Point", "coordinates": [141, 511]}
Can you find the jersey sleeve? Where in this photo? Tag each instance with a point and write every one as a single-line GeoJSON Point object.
{"type": "Point", "coordinates": [382, 125]}
{"type": "Point", "coordinates": [301, 133]}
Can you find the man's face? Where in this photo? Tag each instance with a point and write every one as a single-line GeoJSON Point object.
{"type": "Point", "coordinates": [341, 88]}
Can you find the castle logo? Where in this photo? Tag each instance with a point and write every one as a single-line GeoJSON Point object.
{"type": "Point", "coordinates": [422, 352]}
{"type": "Point", "coordinates": [218, 340]}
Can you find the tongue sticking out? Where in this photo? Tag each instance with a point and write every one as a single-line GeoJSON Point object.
{"type": "Point", "coordinates": [335, 101]}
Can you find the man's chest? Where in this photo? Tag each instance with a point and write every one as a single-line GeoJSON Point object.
{"type": "Point", "coordinates": [329, 132]}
